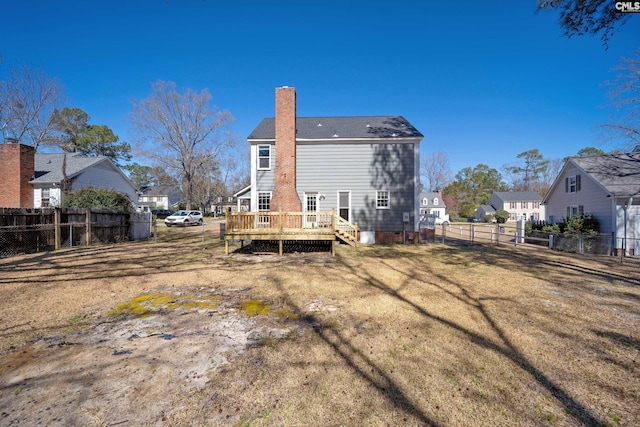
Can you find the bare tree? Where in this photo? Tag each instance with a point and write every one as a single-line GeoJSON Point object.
{"type": "Point", "coordinates": [624, 97]}
{"type": "Point", "coordinates": [30, 98]}
{"type": "Point", "coordinates": [580, 17]}
{"type": "Point", "coordinates": [435, 171]}
{"type": "Point", "coordinates": [182, 132]}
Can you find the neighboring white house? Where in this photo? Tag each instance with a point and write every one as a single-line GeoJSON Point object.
{"type": "Point", "coordinates": [607, 187]}
{"type": "Point", "coordinates": [161, 197]}
{"type": "Point", "coordinates": [432, 203]}
{"type": "Point", "coordinates": [364, 167]}
{"type": "Point", "coordinates": [526, 205]}
{"type": "Point", "coordinates": [50, 170]}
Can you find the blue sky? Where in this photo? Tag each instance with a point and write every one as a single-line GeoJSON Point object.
{"type": "Point", "coordinates": [482, 80]}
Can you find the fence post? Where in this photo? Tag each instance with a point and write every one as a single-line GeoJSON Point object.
{"type": "Point", "coordinates": [203, 230]}
{"type": "Point", "coordinates": [550, 241]}
{"type": "Point", "coordinates": [56, 228]}
{"type": "Point", "coordinates": [87, 222]}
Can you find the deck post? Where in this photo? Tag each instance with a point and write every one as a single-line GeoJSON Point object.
{"type": "Point", "coordinates": [226, 246]}
{"type": "Point", "coordinates": [280, 216]}
{"type": "Point", "coordinates": [280, 246]}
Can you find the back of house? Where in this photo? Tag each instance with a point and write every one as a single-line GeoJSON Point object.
{"type": "Point", "coordinates": [364, 167]}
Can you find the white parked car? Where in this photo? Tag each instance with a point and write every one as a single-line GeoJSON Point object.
{"type": "Point", "coordinates": [184, 218]}
{"type": "Point", "coordinates": [443, 221]}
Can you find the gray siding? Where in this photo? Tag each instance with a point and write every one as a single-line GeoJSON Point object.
{"type": "Point", "coordinates": [102, 175]}
{"type": "Point", "coordinates": [591, 195]}
{"type": "Point", "coordinates": [361, 168]}
{"type": "Point", "coordinates": [266, 179]}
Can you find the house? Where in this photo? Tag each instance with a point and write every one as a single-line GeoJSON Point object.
{"type": "Point", "coordinates": [225, 204]}
{"type": "Point", "coordinates": [432, 203]}
{"type": "Point", "coordinates": [525, 205]}
{"type": "Point", "coordinates": [366, 168]}
{"type": "Point", "coordinates": [483, 211]}
{"type": "Point", "coordinates": [161, 197]}
{"type": "Point", "coordinates": [37, 180]}
{"type": "Point", "coordinates": [607, 187]}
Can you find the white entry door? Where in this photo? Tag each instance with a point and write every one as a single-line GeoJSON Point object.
{"type": "Point", "coordinates": [344, 204]}
{"type": "Point", "coordinates": [310, 205]}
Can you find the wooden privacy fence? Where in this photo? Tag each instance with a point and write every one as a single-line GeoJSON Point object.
{"type": "Point", "coordinates": [37, 230]}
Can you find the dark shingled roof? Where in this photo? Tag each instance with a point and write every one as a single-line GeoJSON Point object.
{"type": "Point", "coordinates": [360, 127]}
{"type": "Point", "coordinates": [618, 173]}
{"type": "Point", "coordinates": [518, 196]}
{"type": "Point", "coordinates": [48, 166]}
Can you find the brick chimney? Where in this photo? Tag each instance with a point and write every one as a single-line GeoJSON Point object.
{"type": "Point", "coordinates": [17, 166]}
{"type": "Point", "coordinates": [285, 197]}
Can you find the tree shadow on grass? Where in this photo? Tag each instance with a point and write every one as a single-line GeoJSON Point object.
{"type": "Point", "coordinates": [503, 347]}
{"type": "Point", "coordinates": [374, 375]}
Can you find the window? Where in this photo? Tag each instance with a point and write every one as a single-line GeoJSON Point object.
{"type": "Point", "coordinates": [572, 184]}
{"type": "Point", "coordinates": [46, 198]}
{"type": "Point", "coordinates": [513, 205]}
{"type": "Point", "coordinates": [574, 210]}
{"type": "Point", "coordinates": [512, 216]}
{"type": "Point", "coordinates": [264, 157]}
{"type": "Point", "coordinates": [536, 205]}
{"type": "Point", "coordinates": [382, 199]}
{"type": "Point", "coordinates": [425, 201]}
{"type": "Point", "coordinates": [524, 205]}
{"type": "Point", "coordinates": [435, 201]}
{"type": "Point", "coordinates": [264, 200]}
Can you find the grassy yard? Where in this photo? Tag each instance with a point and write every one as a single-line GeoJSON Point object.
{"type": "Point", "coordinates": [378, 335]}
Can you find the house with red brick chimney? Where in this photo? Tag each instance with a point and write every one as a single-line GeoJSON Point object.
{"type": "Point", "coordinates": [366, 168]}
{"type": "Point", "coordinates": [37, 180]}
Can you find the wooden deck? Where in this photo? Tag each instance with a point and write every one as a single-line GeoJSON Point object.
{"type": "Point", "coordinates": [289, 226]}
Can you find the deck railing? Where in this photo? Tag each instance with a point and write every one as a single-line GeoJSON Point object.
{"type": "Point", "coordinates": [289, 226]}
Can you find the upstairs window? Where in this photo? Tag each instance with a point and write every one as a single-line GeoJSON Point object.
{"type": "Point", "coordinates": [513, 205]}
{"type": "Point", "coordinates": [435, 201]}
{"type": "Point", "coordinates": [572, 184]}
{"type": "Point", "coordinates": [524, 205]}
{"type": "Point", "coordinates": [46, 198]}
{"type": "Point", "coordinates": [382, 199]}
{"type": "Point", "coordinates": [264, 157]}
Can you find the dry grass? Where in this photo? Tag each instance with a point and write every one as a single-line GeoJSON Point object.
{"type": "Point", "coordinates": [386, 335]}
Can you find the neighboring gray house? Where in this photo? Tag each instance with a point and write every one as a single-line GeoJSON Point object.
{"type": "Point", "coordinates": [526, 205]}
{"type": "Point", "coordinates": [431, 202]}
{"type": "Point", "coordinates": [364, 167]}
{"type": "Point", "coordinates": [606, 186]}
{"type": "Point", "coordinates": [50, 170]}
{"type": "Point", "coordinates": [483, 211]}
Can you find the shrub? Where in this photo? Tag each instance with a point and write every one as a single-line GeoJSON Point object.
{"type": "Point", "coordinates": [98, 199]}
{"type": "Point", "coordinates": [501, 216]}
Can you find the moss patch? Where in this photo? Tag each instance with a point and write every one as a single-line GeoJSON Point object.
{"type": "Point", "coordinates": [145, 305]}
{"type": "Point", "coordinates": [254, 308]}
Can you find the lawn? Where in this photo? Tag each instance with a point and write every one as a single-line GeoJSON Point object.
{"type": "Point", "coordinates": [378, 335]}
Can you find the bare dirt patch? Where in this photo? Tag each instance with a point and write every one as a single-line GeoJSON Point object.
{"type": "Point", "coordinates": [177, 333]}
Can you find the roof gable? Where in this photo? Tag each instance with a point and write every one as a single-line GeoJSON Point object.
{"type": "Point", "coordinates": [431, 196]}
{"type": "Point", "coordinates": [348, 127]}
{"type": "Point", "coordinates": [619, 174]}
{"type": "Point", "coordinates": [48, 166]}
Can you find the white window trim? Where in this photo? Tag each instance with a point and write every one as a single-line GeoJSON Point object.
{"type": "Point", "coordinates": [258, 200]}
{"type": "Point", "coordinates": [378, 192]}
{"type": "Point", "coordinates": [574, 184]}
{"type": "Point", "coordinates": [260, 158]}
